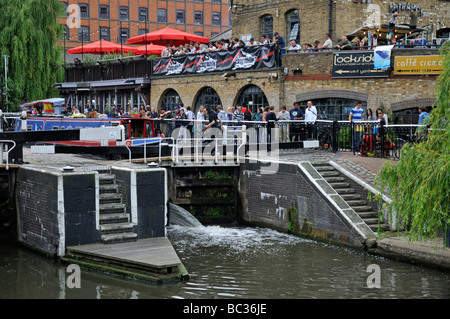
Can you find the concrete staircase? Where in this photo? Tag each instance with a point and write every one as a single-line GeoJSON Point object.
{"type": "Point", "coordinates": [114, 220]}
{"type": "Point", "coordinates": [353, 194]}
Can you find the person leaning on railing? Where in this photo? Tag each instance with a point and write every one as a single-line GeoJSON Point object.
{"type": "Point", "coordinates": [344, 44]}
{"type": "Point", "coordinates": [283, 115]}
{"type": "Point", "coordinates": [295, 129]}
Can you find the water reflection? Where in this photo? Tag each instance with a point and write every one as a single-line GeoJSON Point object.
{"type": "Point", "coordinates": [235, 262]}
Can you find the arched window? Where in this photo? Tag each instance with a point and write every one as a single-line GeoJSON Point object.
{"type": "Point", "coordinates": [267, 25]}
{"type": "Point", "coordinates": [207, 96]}
{"type": "Point", "coordinates": [293, 26]}
{"type": "Point", "coordinates": [253, 97]}
{"type": "Point", "coordinates": [170, 100]}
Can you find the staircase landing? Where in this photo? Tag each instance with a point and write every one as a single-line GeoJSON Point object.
{"type": "Point", "coordinates": [151, 259]}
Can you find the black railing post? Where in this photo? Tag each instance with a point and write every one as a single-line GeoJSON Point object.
{"type": "Point", "coordinates": [383, 139]}
{"type": "Point", "coordinates": [335, 136]}
{"type": "Point", "coordinates": [352, 132]}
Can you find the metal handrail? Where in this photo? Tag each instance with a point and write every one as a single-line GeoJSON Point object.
{"type": "Point", "coordinates": [7, 153]}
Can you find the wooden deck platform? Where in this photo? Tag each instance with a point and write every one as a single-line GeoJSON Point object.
{"type": "Point", "coordinates": [151, 259]}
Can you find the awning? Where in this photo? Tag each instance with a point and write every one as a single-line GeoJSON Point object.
{"type": "Point", "coordinates": [399, 30]}
{"type": "Point", "coordinates": [53, 101]}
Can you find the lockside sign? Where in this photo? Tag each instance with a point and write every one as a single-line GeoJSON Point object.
{"type": "Point", "coordinates": [356, 64]}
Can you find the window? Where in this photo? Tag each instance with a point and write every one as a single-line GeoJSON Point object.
{"type": "Point", "coordinates": [105, 34]}
{"type": "Point", "coordinates": [123, 13]}
{"type": "Point", "coordinates": [198, 33]}
{"type": "Point", "coordinates": [216, 1]}
{"type": "Point", "coordinates": [103, 12]}
{"type": "Point", "coordinates": [123, 36]}
{"type": "Point", "coordinates": [179, 16]}
{"type": "Point", "coordinates": [215, 18]}
{"type": "Point", "coordinates": [207, 96]}
{"type": "Point", "coordinates": [293, 26]}
{"type": "Point", "coordinates": [170, 100]}
{"type": "Point", "coordinates": [267, 26]}
{"type": "Point", "coordinates": [333, 108]}
{"type": "Point", "coordinates": [83, 34]}
{"type": "Point", "coordinates": [162, 15]}
{"type": "Point", "coordinates": [84, 10]}
{"type": "Point", "coordinates": [142, 31]}
{"type": "Point", "coordinates": [253, 97]}
{"type": "Point", "coordinates": [198, 17]}
{"type": "Point", "coordinates": [143, 14]}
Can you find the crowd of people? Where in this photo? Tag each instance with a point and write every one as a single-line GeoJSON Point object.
{"type": "Point", "coordinates": [183, 118]}
{"type": "Point", "coordinates": [224, 44]}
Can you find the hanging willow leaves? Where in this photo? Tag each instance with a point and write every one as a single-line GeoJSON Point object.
{"type": "Point", "coordinates": [419, 184]}
{"type": "Point", "coordinates": [28, 34]}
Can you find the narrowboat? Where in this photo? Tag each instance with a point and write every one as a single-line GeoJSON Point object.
{"type": "Point", "coordinates": [137, 133]}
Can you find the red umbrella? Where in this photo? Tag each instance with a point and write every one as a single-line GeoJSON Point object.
{"type": "Point", "coordinates": [101, 47]}
{"type": "Point", "coordinates": [149, 49]}
{"type": "Point", "coordinates": [167, 35]}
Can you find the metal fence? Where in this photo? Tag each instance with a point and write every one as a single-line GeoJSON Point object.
{"type": "Point", "coordinates": [365, 138]}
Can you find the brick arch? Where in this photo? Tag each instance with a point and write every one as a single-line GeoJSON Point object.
{"type": "Point", "coordinates": [197, 94]}
{"type": "Point", "coordinates": [238, 94]}
{"type": "Point", "coordinates": [325, 94]}
{"type": "Point", "coordinates": [161, 97]}
{"type": "Point", "coordinates": [412, 104]}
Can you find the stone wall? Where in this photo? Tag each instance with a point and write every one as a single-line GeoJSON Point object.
{"type": "Point", "coordinates": [55, 209]}
{"type": "Point", "coordinates": [296, 206]}
{"type": "Point", "coordinates": [144, 195]}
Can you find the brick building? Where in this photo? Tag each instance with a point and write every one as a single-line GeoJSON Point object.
{"type": "Point", "coordinates": [306, 21]}
{"type": "Point", "coordinates": [118, 20]}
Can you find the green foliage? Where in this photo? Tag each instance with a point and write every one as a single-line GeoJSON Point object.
{"type": "Point", "coordinates": [419, 183]}
{"type": "Point", "coordinates": [28, 33]}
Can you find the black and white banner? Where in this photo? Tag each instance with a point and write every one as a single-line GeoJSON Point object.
{"type": "Point", "coordinates": [256, 57]}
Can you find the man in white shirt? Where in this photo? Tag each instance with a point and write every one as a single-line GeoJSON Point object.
{"type": "Point", "coordinates": [310, 118]}
{"type": "Point", "coordinates": [294, 47]}
{"type": "Point", "coordinates": [198, 130]}
{"type": "Point", "coordinates": [328, 44]}
{"type": "Point", "coordinates": [252, 43]}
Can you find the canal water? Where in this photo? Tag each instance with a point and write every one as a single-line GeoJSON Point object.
{"type": "Point", "coordinates": [232, 262]}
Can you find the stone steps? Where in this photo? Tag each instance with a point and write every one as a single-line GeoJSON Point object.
{"type": "Point", "coordinates": [119, 238]}
{"type": "Point", "coordinates": [116, 228]}
{"type": "Point", "coordinates": [110, 198]}
{"type": "Point", "coordinates": [109, 188]}
{"type": "Point", "coordinates": [106, 179]}
{"type": "Point", "coordinates": [112, 208]}
{"type": "Point", "coordinates": [348, 197]}
{"type": "Point", "coordinates": [114, 220]}
{"type": "Point", "coordinates": [353, 199]}
{"type": "Point", "coordinates": [340, 185]}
